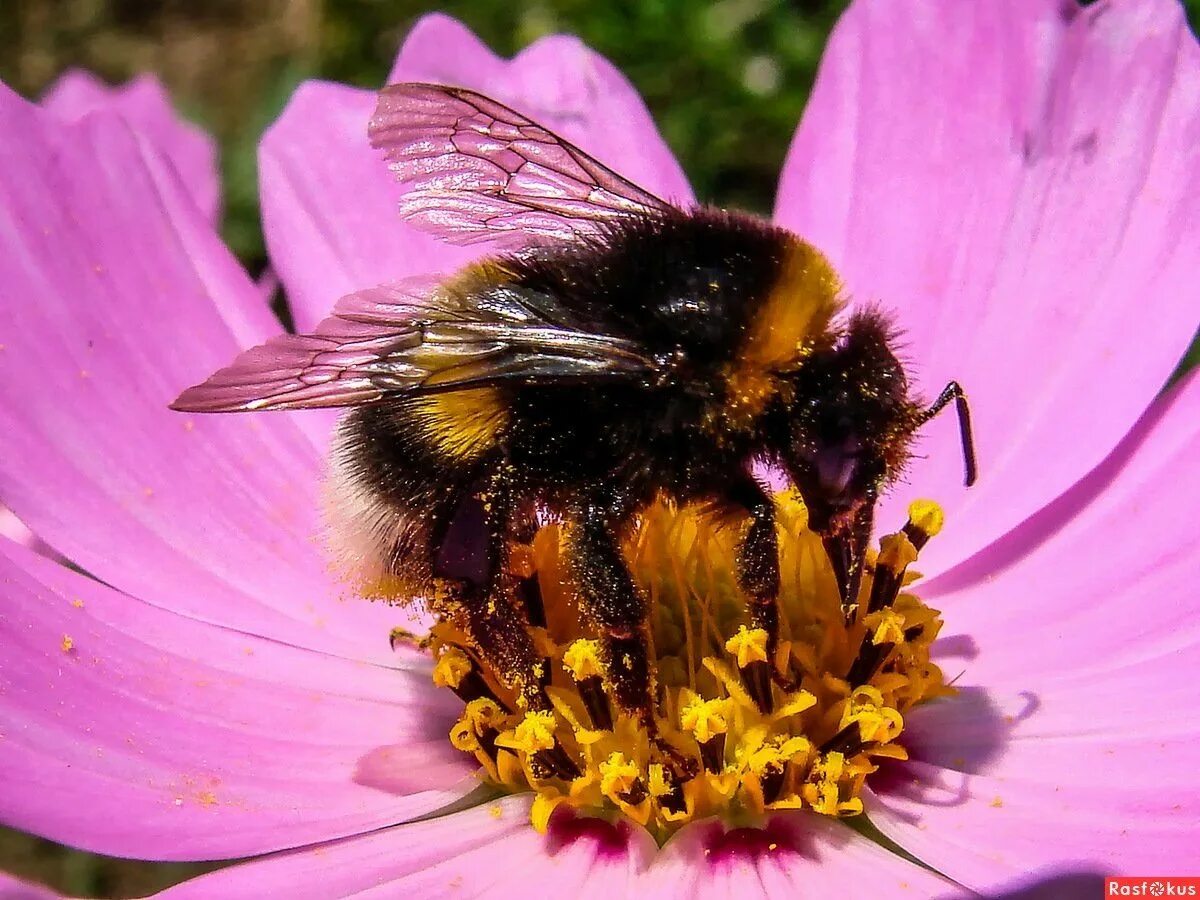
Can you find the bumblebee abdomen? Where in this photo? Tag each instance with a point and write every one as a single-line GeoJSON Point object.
{"type": "Point", "coordinates": [399, 471]}
{"type": "Point", "coordinates": [459, 425]}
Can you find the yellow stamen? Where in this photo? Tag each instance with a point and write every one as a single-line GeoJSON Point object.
{"type": "Point", "coordinates": [779, 753]}
{"type": "Point", "coordinates": [451, 668]}
{"type": "Point", "coordinates": [618, 776]}
{"type": "Point", "coordinates": [535, 732]}
{"type": "Point", "coordinates": [876, 722]}
{"type": "Point", "coordinates": [582, 660]}
{"type": "Point", "coordinates": [748, 645]}
{"type": "Point", "coordinates": [714, 747]}
{"type": "Point", "coordinates": [926, 516]}
{"type": "Point", "coordinates": [896, 552]}
{"type": "Point", "coordinates": [823, 793]}
{"type": "Point", "coordinates": [479, 716]}
{"type": "Point", "coordinates": [705, 718]}
{"type": "Point", "coordinates": [888, 626]}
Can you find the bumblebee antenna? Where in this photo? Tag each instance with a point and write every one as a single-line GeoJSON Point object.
{"type": "Point", "coordinates": [953, 391]}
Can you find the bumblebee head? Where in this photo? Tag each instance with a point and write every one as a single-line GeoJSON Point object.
{"type": "Point", "coordinates": [850, 421]}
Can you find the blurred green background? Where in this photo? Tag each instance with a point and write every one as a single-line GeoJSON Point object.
{"type": "Point", "coordinates": [726, 82]}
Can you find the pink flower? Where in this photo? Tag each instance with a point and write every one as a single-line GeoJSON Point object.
{"type": "Point", "coordinates": [1020, 185]}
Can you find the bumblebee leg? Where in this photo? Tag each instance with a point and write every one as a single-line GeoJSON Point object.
{"type": "Point", "coordinates": [758, 578]}
{"type": "Point", "coordinates": [612, 601]}
{"type": "Point", "coordinates": [614, 604]}
{"type": "Point", "coordinates": [471, 552]}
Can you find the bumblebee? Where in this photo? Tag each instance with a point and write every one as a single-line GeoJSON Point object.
{"type": "Point", "coordinates": [614, 350]}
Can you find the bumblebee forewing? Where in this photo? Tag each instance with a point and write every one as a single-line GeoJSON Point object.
{"type": "Point", "coordinates": [416, 336]}
{"type": "Point", "coordinates": [474, 170]}
{"type": "Point", "coordinates": [336, 365]}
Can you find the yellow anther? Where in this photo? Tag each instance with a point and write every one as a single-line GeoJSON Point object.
{"type": "Point", "coordinates": [483, 713]}
{"type": "Point", "coordinates": [926, 516]}
{"type": "Point", "coordinates": [896, 552]}
{"type": "Point", "coordinates": [582, 660]}
{"type": "Point", "coordinates": [480, 715]}
{"type": "Point", "coordinates": [534, 732]}
{"type": "Point", "coordinates": [823, 797]}
{"type": "Point", "coordinates": [748, 645]}
{"type": "Point", "coordinates": [866, 693]}
{"type": "Point", "coordinates": [823, 792]}
{"type": "Point", "coordinates": [876, 722]}
{"type": "Point", "coordinates": [705, 718]}
{"type": "Point", "coordinates": [888, 625]}
{"type": "Point", "coordinates": [451, 668]}
{"type": "Point", "coordinates": [778, 753]}
{"type": "Point", "coordinates": [463, 737]}
{"type": "Point", "coordinates": [618, 775]}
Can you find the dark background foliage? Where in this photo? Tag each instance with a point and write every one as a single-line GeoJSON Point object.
{"type": "Point", "coordinates": [726, 81]}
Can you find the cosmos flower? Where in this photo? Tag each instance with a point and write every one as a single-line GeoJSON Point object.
{"type": "Point", "coordinates": [1017, 182]}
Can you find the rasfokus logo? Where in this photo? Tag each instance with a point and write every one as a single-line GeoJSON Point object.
{"type": "Point", "coordinates": [1152, 887]}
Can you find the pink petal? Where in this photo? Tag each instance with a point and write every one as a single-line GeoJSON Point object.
{"type": "Point", "coordinates": [1073, 740]}
{"type": "Point", "coordinates": [145, 105]}
{"type": "Point", "coordinates": [116, 294]}
{"type": "Point", "coordinates": [1018, 182]}
{"type": "Point", "coordinates": [132, 731]}
{"type": "Point", "coordinates": [798, 855]}
{"type": "Point", "coordinates": [14, 529]}
{"type": "Point", "coordinates": [14, 889]}
{"type": "Point", "coordinates": [330, 205]}
{"type": "Point", "coordinates": [488, 851]}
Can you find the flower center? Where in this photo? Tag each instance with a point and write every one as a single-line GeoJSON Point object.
{"type": "Point", "coordinates": [849, 675]}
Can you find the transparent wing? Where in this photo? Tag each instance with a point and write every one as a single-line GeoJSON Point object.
{"type": "Point", "coordinates": [415, 336]}
{"type": "Point", "coordinates": [474, 170]}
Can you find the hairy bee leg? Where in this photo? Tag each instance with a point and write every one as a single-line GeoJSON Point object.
{"type": "Point", "coordinates": [612, 601]}
{"type": "Point", "coordinates": [471, 552]}
{"type": "Point", "coordinates": [758, 578]}
{"type": "Point", "coordinates": [615, 605]}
